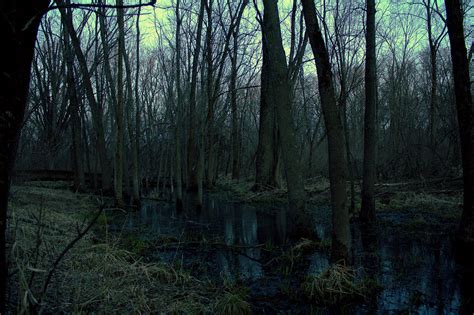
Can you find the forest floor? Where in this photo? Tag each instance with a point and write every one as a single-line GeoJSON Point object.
{"type": "Point", "coordinates": [106, 274]}
{"type": "Point", "coordinates": [96, 275]}
{"type": "Point", "coordinates": [441, 198]}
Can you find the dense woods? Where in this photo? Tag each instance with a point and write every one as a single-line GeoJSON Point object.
{"type": "Point", "coordinates": [170, 99]}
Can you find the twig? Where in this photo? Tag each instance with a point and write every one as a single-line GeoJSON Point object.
{"type": "Point", "coordinates": [65, 251]}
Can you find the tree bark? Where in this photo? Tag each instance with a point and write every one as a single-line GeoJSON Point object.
{"type": "Point", "coordinates": [267, 157]}
{"type": "Point", "coordinates": [367, 211]}
{"type": "Point", "coordinates": [462, 89]}
{"type": "Point", "coordinates": [233, 104]}
{"type": "Point", "coordinates": [210, 132]}
{"type": "Point", "coordinates": [179, 184]}
{"type": "Point", "coordinates": [74, 108]}
{"type": "Point", "coordinates": [280, 96]}
{"type": "Point", "coordinates": [433, 75]}
{"type": "Point", "coordinates": [97, 114]}
{"type": "Point", "coordinates": [341, 235]}
{"type": "Point", "coordinates": [133, 124]}
{"type": "Point", "coordinates": [136, 140]}
{"type": "Point", "coordinates": [119, 112]}
{"type": "Point", "coordinates": [193, 150]}
{"type": "Point", "coordinates": [19, 22]}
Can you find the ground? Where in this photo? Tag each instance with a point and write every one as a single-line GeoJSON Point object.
{"type": "Point", "coordinates": [96, 274]}
{"type": "Point", "coordinates": [105, 273]}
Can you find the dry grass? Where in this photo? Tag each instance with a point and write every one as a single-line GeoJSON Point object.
{"type": "Point", "coordinates": [94, 276]}
{"type": "Point", "coordinates": [337, 285]}
{"type": "Point", "coordinates": [317, 189]}
{"type": "Point", "coordinates": [232, 304]}
{"type": "Point", "coordinates": [443, 205]}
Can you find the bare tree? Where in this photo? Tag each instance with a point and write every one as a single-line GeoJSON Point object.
{"type": "Point", "coordinates": [97, 114]}
{"type": "Point", "coordinates": [19, 23]}
{"type": "Point", "coordinates": [367, 212]}
{"type": "Point", "coordinates": [119, 111]}
{"type": "Point", "coordinates": [279, 95]}
{"type": "Point", "coordinates": [179, 105]}
{"type": "Point", "coordinates": [341, 238]}
{"type": "Point", "coordinates": [462, 88]}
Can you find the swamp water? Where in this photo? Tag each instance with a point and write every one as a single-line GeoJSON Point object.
{"type": "Point", "coordinates": [415, 268]}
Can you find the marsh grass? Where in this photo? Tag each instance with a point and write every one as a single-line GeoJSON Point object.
{"type": "Point", "coordinates": [232, 304]}
{"type": "Point", "coordinates": [443, 205]}
{"type": "Point", "coordinates": [97, 275]}
{"type": "Point", "coordinates": [317, 190]}
{"type": "Point", "coordinates": [338, 285]}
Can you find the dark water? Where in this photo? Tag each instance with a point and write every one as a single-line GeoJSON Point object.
{"type": "Point", "coordinates": [416, 268]}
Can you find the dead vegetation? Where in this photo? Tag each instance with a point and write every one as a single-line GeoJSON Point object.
{"type": "Point", "coordinates": [98, 275]}
{"type": "Point", "coordinates": [94, 275]}
{"type": "Point", "coordinates": [338, 285]}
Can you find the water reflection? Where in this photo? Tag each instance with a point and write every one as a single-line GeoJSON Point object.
{"type": "Point", "coordinates": [418, 274]}
{"type": "Point", "coordinates": [242, 227]}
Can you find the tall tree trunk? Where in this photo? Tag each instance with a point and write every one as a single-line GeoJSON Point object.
{"type": "Point", "coordinates": [192, 143]}
{"type": "Point", "coordinates": [119, 112]}
{"type": "Point", "coordinates": [280, 97]}
{"type": "Point", "coordinates": [179, 184]}
{"type": "Point", "coordinates": [433, 75]}
{"type": "Point", "coordinates": [210, 134]}
{"type": "Point", "coordinates": [132, 125]}
{"type": "Point", "coordinates": [341, 235]}
{"type": "Point", "coordinates": [233, 105]}
{"type": "Point", "coordinates": [267, 150]}
{"type": "Point", "coordinates": [462, 89]}
{"type": "Point", "coordinates": [97, 114]}
{"type": "Point", "coordinates": [350, 167]}
{"type": "Point", "coordinates": [19, 23]}
{"type": "Point", "coordinates": [77, 144]}
{"type": "Point", "coordinates": [136, 142]}
{"type": "Point", "coordinates": [367, 211]}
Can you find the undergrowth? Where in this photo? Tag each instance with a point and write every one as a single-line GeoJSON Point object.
{"type": "Point", "coordinates": [96, 275]}
{"type": "Point", "coordinates": [338, 285]}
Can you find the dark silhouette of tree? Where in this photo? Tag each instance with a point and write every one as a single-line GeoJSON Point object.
{"type": "Point", "coordinates": [279, 97]}
{"type": "Point", "coordinates": [341, 235]}
{"type": "Point", "coordinates": [462, 89]}
{"type": "Point", "coordinates": [367, 212]}
{"type": "Point", "coordinates": [19, 22]}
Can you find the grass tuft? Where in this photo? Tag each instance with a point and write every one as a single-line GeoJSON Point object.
{"type": "Point", "coordinates": [232, 304]}
{"type": "Point", "coordinates": [338, 284]}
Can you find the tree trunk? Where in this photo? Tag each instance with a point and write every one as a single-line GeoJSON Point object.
{"type": "Point", "coordinates": [280, 96]}
{"type": "Point", "coordinates": [77, 145]}
{"type": "Point", "coordinates": [133, 128]}
{"type": "Point", "coordinates": [97, 114]}
{"type": "Point", "coordinates": [179, 184]}
{"type": "Point", "coordinates": [267, 150]}
{"type": "Point", "coordinates": [433, 76]}
{"type": "Point", "coordinates": [19, 23]}
{"type": "Point", "coordinates": [136, 140]}
{"type": "Point", "coordinates": [462, 89]}
{"type": "Point", "coordinates": [341, 235]}
{"type": "Point", "coordinates": [233, 105]}
{"type": "Point", "coordinates": [119, 112]}
{"type": "Point", "coordinates": [192, 143]}
{"type": "Point", "coordinates": [367, 211]}
{"type": "Point", "coordinates": [210, 134]}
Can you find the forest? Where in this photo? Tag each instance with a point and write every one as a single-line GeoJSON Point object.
{"type": "Point", "coordinates": [237, 157]}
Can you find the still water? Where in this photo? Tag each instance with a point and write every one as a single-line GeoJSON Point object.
{"type": "Point", "coordinates": [416, 269]}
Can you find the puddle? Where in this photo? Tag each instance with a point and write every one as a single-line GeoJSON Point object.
{"type": "Point", "coordinates": [417, 271]}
